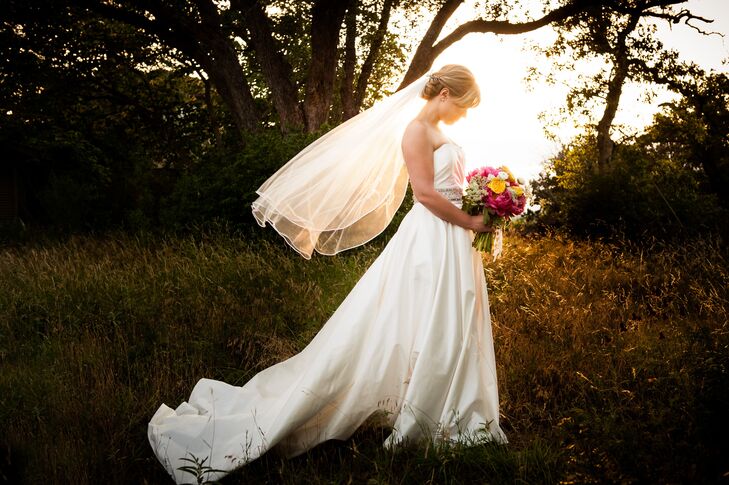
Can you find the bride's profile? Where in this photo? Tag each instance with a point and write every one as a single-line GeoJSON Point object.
{"type": "Point", "coordinates": [412, 338]}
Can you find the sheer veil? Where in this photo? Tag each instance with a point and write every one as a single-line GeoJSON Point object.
{"type": "Point", "coordinates": [343, 189]}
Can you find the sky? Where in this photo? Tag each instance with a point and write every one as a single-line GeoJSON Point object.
{"type": "Point", "coordinates": [506, 129]}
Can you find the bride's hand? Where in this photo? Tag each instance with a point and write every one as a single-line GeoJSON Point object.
{"type": "Point", "coordinates": [477, 225]}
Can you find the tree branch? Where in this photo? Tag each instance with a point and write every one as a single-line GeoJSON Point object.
{"type": "Point", "coordinates": [427, 52]}
{"type": "Point", "coordinates": [423, 58]}
{"type": "Point", "coordinates": [366, 71]}
{"type": "Point", "coordinates": [505, 27]}
{"type": "Point", "coordinates": [684, 15]}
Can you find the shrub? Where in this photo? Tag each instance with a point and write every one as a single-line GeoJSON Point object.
{"type": "Point", "coordinates": [639, 194]}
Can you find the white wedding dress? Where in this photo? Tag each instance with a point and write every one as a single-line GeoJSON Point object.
{"type": "Point", "coordinates": [413, 337]}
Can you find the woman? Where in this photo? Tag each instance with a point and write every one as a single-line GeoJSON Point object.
{"type": "Point", "coordinates": [412, 338]}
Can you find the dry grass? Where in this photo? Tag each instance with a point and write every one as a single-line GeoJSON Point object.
{"type": "Point", "coordinates": [612, 359]}
{"type": "Point", "coordinates": [618, 353]}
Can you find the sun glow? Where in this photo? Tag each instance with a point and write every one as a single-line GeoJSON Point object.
{"type": "Point", "coordinates": [504, 128]}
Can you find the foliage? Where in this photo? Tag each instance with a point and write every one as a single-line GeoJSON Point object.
{"type": "Point", "coordinates": [222, 185]}
{"type": "Point", "coordinates": [110, 123]}
{"type": "Point", "coordinates": [106, 129]}
{"type": "Point", "coordinates": [654, 185]}
{"type": "Point", "coordinates": [697, 126]}
{"type": "Point", "coordinates": [612, 358]}
{"type": "Point", "coordinates": [86, 129]}
{"type": "Point", "coordinates": [95, 165]}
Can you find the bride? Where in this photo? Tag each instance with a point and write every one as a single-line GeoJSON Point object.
{"type": "Point", "coordinates": [412, 338]}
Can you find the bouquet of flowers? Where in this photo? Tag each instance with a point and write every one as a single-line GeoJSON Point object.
{"type": "Point", "coordinates": [495, 193]}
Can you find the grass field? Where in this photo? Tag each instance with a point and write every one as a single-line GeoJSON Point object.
{"type": "Point", "coordinates": [613, 359]}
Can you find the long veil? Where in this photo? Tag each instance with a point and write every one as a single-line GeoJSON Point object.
{"type": "Point", "coordinates": [343, 189]}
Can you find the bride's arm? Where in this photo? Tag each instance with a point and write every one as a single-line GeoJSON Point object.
{"type": "Point", "coordinates": [418, 153]}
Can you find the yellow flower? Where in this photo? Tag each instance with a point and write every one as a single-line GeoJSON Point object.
{"type": "Point", "coordinates": [511, 175]}
{"type": "Point", "coordinates": [497, 185]}
{"type": "Point", "coordinates": [517, 191]}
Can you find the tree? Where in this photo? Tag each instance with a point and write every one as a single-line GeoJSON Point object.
{"type": "Point", "coordinates": [652, 189]}
{"type": "Point", "coordinates": [197, 30]}
{"type": "Point", "coordinates": [86, 129]}
{"type": "Point", "coordinates": [698, 128]}
{"type": "Point", "coordinates": [301, 59]}
{"type": "Point", "coordinates": [353, 95]}
{"type": "Point", "coordinates": [208, 33]}
{"type": "Point", "coordinates": [618, 33]}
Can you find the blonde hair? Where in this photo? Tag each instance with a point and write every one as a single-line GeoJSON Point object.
{"type": "Point", "coordinates": [460, 82]}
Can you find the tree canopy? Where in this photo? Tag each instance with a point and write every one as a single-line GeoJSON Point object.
{"type": "Point", "coordinates": [179, 82]}
{"type": "Point", "coordinates": [302, 64]}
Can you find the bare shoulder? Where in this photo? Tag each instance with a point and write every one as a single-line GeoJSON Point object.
{"type": "Point", "coordinates": [416, 136]}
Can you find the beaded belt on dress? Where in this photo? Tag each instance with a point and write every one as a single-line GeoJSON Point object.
{"type": "Point", "coordinates": [454, 194]}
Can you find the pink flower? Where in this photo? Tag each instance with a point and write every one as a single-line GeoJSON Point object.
{"type": "Point", "coordinates": [482, 172]}
{"type": "Point", "coordinates": [501, 204]}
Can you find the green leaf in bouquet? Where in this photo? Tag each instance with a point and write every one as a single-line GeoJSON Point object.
{"type": "Point", "coordinates": [486, 217]}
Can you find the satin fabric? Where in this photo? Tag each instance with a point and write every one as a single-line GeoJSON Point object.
{"type": "Point", "coordinates": [412, 338]}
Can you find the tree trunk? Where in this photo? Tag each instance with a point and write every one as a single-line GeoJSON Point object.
{"type": "Point", "coordinates": [369, 63]}
{"type": "Point", "coordinates": [227, 76]}
{"type": "Point", "coordinates": [326, 21]}
{"type": "Point", "coordinates": [605, 144]}
{"type": "Point", "coordinates": [211, 45]}
{"type": "Point", "coordinates": [346, 87]}
{"type": "Point", "coordinates": [615, 88]}
{"type": "Point", "coordinates": [275, 67]}
{"type": "Point", "coordinates": [212, 116]}
{"type": "Point", "coordinates": [220, 60]}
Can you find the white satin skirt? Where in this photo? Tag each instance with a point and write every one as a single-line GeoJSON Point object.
{"type": "Point", "coordinates": [412, 338]}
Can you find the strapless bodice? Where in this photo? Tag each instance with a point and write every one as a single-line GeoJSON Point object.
{"type": "Point", "coordinates": [448, 172]}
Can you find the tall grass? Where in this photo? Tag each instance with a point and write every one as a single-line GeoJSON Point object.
{"type": "Point", "coordinates": [612, 358]}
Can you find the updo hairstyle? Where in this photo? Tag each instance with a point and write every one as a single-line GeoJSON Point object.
{"type": "Point", "coordinates": [460, 82]}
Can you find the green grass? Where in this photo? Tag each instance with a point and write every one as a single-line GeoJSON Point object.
{"type": "Point", "coordinates": [613, 359]}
